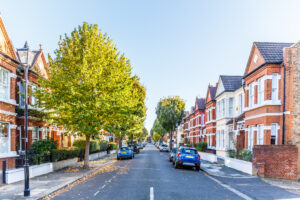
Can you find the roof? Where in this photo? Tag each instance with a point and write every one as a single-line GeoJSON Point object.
{"type": "Point", "coordinates": [200, 103]}
{"type": "Point", "coordinates": [212, 91]}
{"type": "Point", "coordinates": [272, 52]}
{"type": "Point", "coordinates": [231, 83]}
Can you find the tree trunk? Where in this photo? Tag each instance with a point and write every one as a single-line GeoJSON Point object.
{"type": "Point", "coordinates": [87, 152]}
{"type": "Point", "coordinates": [171, 135]}
{"type": "Point", "coordinates": [120, 142]}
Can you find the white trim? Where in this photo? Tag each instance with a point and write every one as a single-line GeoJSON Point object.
{"type": "Point", "coordinates": [7, 113]}
{"type": "Point", "coordinates": [12, 126]}
{"type": "Point", "coordinates": [210, 127]}
{"type": "Point", "coordinates": [263, 115]}
{"type": "Point", "coordinates": [9, 101]}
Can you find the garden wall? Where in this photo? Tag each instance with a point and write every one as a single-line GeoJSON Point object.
{"type": "Point", "coordinates": [277, 161]}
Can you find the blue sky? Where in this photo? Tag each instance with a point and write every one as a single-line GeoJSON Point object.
{"type": "Point", "coordinates": [176, 47]}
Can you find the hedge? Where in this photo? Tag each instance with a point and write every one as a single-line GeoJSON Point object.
{"type": "Point", "coordinates": [95, 146]}
{"type": "Point", "coordinates": [202, 146]}
{"type": "Point", "coordinates": [112, 145]}
{"type": "Point", "coordinates": [64, 154]}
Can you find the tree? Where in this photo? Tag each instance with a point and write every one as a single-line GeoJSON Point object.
{"type": "Point", "coordinates": [156, 137]}
{"type": "Point", "coordinates": [158, 129]}
{"type": "Point", "coordinates": [89, 83]}
{"type": "Point", "coordinates": [170, 112]}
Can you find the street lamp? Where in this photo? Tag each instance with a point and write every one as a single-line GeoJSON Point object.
{"type": "Point", "coordinates": [24, 58]}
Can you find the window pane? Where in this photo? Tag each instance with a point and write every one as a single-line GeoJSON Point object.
{"type": "Point", "coordinates": [4, 138]}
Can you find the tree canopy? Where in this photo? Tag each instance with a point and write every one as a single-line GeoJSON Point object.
{"type": "Point", "coordinates": [90, 85]}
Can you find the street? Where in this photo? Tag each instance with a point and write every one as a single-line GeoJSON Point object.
{"type": "Point", "coordinates": [151, 176]}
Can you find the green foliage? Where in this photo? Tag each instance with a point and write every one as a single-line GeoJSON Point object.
{"type": "Point", "coordinates": [91, 86]}
{"type": "Point", "coordinates": [36, 115]}
{"type": "Point", "coordinates": [201, 146]}
{"type": "Point", "coordinates": [181, 144]}
{"type": "Point", "coordinates": [170, 112]}
{"type": "Point", "coordinates": [246, 155]}
{"type": "Point", "coordinates": [41, 147]}
{"type": "Point", "coordinates": [112, 145]}
{"type": "Point", "coordinates": [186, 140]}
{"type": "Point", "coordinates": [95, 146]}
{"type": "Point", "coordinates": [64, 154]}
{"type": "Point", "coordinates": [232, 154]}
{"type": "Point", "coordinates": [156, 137]}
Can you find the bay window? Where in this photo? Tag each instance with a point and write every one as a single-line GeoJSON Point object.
{"type": "Point", "coordinates": [230, 107]}
{"type": "Point", "coordinates": [240, 104]}
{"type": "Point", "coordinates": [260, 91]}
{"type": "Point", "coordinates": [251, 95]}
{"type": "Point", "coordinates": [4, 84]}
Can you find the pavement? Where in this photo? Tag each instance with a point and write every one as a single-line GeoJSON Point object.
{"type": "Point", "coordinates": [151, 176]}
{"type": "Point", "coordinates": [44, 185]}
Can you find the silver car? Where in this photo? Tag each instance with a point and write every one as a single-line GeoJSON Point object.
{"type": "Point", "coordinates": [163, 147]}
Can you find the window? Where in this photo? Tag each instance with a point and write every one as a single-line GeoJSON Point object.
{"type": "Point", "coordinates": [250, 137]}
{"type": "Point", "coordinates": [260, 91]}
{"type": "Point", "coordinates": [230, 107]}
{"type": "Point", "coordinates": [251, 95]}
{"type": "Point", "coordinates": [21, 94]}
{"type": "Point", "coordinates": [240, 104]}
{"type": "Point", "coordinates": [35, 134]}
{"type": "Point", "coordinates": [274, 134]}
{"type": "Point", "coordinates": [223, 139]}
{"type": "Point", "coordinates": [45, 133]}
{"type": "Point", "coordinates": [223, 107]}
{"type": "Point", "coordinates": [202, 119]}
{"type": "Point", "coordinates": [260, 135]}
{"type": "Point", "coordinates": [274, 87]}
{"type": "Point", "coordinates": [4, 84]}
{"type": "Point", "coordinates": [33, 98]}
{"type": "Point", "coordinates": [4, 137]}
{"type": "Point", "coordinates": [210, 115]}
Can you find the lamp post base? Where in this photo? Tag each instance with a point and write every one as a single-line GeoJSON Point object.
{"type": "Point", "coordinates": [26, 193]}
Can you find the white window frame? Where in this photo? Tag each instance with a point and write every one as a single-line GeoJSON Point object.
{"type": "Point", "coordinates": [274, 132]}
{"type": "Point", "coordinates": [36, 138]}
{"type": "Point", "coordinates": [275, 87]}
{"type": "Point", "coordinates": [260, 91]}
{"type": "Point", "coordinates": [4, 84]}
{"type": "Point", "coordinates": [260, 134]}
{"type": "Point", "coordinates": [240, 103]}
{"type": "Point", "coordinates": [231, 102]}
{"type": "Point", "coordinates": [250, 137]}
{"type": "Point", "coordinates": [21, 94]}
{"type": "Point", "coordinates": [8, 150]}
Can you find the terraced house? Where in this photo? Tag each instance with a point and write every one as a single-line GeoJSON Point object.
{"type": "Point", "coordinates": [210, 117]}
{"type": "Point", "coordinates": [264, 95]}
{"type": "Point", "coordinates": [225, 102]}
{"type": "Point", "coordinates": [8, 75]}
{"type": "Point", "coordinates": [196, 120]}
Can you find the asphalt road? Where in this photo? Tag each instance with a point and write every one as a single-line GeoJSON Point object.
{"type": "Point", "coordinates": [150, 176]}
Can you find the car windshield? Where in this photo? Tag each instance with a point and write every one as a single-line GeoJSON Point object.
{"type": "Point", "coordinates": [174, 150]}
{"type": "Point", "coordinates": [189, 151]}
{"type": "Point", "coordinates": [124, 149]}
{"type": "Point", "coordinates": [164, 145]}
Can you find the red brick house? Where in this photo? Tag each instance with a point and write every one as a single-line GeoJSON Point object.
{"type": "Point", "coordinates": [196, 118]}
{"type": "Point", "coordinates": [210, 117]}
{"type": "Point", "coordinates": [263, 87]}
{"type": "Point", "coordinates": [8, 70]}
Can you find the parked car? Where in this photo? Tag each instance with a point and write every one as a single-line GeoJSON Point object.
{"type": "Point", "coordinates": [172, 155]}
{"type": "Point", "coordinates": [187, 156]}
{"type": "Point", "coordinates": [140, 146]}
{"type": "Point", "coordinates": [125, 152]}
{"type": "Point", "coordinates": [163, 147]}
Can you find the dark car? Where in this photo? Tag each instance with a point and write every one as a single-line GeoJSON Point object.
{"type": "Point", "coordinates": [172, 155]}
{"type": "Point", "coordinates": [187, 156]}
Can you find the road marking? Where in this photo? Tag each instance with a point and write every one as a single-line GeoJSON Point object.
{"type": "Point", "coordinates": [103, 186]}
{"type": "Point", "coordinates": [96, 193]}
{"type": "Point", "coordinates": [230, 188]}
{"type": "Point", "coordinates": [151, 193]}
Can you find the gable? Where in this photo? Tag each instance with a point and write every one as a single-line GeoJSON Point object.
{"type": "Point", "coordinates": [6, 46]}
{"type": "Point", "coordinates": [220, 87]}
{"type": "Point", "coordinates": [255, 60]}
{"type": "Point", "coordinates": [208, 96]}
{"type": "Point", "coordinates": [40, 65]}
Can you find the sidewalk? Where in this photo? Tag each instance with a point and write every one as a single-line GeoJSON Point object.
{"type": "Point", "coordinates": [47, 184]}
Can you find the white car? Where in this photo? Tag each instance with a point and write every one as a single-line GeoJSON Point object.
{"type": "Point", "coordinates": [163, 147]}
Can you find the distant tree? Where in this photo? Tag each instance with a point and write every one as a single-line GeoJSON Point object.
{"type": "Point", "coordinates": [156, 137]}
{"type": "Point", "coordinates": [170, 112]}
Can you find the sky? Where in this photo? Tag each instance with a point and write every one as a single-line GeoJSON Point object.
{"type": "Point", "coordinates": [176, 47]}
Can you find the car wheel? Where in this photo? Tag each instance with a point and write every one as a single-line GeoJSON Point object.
{"type": "Point", "coordinates": [197, 169]}
{"type": "Point", "coordinates": [176, 165]}
{"type": "Point", "coordinates": [118, 158]}
{"type": "Point", "coordinates": [173, 162]}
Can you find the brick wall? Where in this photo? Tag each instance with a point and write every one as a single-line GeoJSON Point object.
{"type": "Point", "coordinates": [277, 161]}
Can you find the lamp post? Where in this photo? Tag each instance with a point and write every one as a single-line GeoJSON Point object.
{"type": "Point", "coordinates": [24, 57]}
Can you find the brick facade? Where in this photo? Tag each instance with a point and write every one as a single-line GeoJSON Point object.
{"type": "Point", "coordinates": [278, 161]}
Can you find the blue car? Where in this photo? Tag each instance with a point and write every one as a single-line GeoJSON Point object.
{"type": "Point", "coordinates": [125, 152]}
{"type": "Point", "coordinates": [187, 156]}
